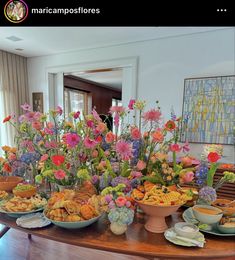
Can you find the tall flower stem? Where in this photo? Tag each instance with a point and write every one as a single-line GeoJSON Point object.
{"type": "Point", "coordinates": [174, 161]}
{"type": "Point", "coordinates": [211, 173]}
{"type": "Point", "coordinates": [140, 121]}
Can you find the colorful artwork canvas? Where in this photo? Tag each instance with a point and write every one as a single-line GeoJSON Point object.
{"type": "Point", "coordinates": [209, 110]}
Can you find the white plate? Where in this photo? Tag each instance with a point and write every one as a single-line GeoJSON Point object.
{"type": "Point", "coordinates": [36, 220]}
{"type": "Point", "coordinates": [19, 213]}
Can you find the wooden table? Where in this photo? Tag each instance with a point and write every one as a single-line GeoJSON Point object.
{"type": "Point", "coordinates": [136, 241]}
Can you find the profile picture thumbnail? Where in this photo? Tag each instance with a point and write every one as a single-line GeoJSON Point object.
{"type": "Point", "coordinates": [16, 11]}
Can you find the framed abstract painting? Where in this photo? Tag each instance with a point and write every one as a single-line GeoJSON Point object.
{"type": "Point", "coordinates": [209, 110]}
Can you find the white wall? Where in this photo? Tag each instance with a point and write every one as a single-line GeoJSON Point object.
{"type": "Point", "coordinates": [163, 66]}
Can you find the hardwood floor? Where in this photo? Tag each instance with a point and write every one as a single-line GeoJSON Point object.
{"type": "Point", "coordinates": [15, 245]}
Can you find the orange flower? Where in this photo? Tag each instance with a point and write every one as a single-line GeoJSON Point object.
{"type": "Point", "coordinates": [101, 127]}
{"type": "Point", "coordinates": [37, 125]}
{"type": "Point", "coordinates": [158, 136]}
{"type": "Point", "coordinates": [109, 138]}
{"type": "Point", "coordinates": [6, 148]}
{"type": "Point", "coordinates": [13, 149]}
{"type": "Point", "coordinates": [170, 125]}
{"type": "Point", "coordinates": [6, 119]}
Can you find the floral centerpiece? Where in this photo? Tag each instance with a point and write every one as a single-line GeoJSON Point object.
{"type": "Point", "coordinates": [205, 175]}
{"type": "Point", "coordinates": [121, 211]}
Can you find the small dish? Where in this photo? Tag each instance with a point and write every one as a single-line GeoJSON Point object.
{"type": "Point", "coordinates": [185, 229]}
{"type": "Point", "coordinates": [35, 220]}
{"type": "Point", "coordinates": [199, 238]}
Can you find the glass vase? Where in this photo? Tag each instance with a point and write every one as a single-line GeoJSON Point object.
{"type": "Point", "coordinates": [118, 229]}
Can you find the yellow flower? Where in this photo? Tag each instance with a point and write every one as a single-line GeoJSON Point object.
{"type": "Point", "coordinates": [140, 105]}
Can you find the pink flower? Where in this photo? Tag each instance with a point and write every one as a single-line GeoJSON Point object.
{"type": "Point", "coordinates": [48, 131]}
{"type": "Point", "coordinates": [135, 133]}
{"type": "Point", "coordinates": [59, 110]}
{"type": "Point", "coordinates": [44, 157]}
{"type": "Point", "coordinates": [95, 153]}
{"type": "Point", "coordinates": [32, 116]}
{"type": "Point", "coordinates": [50, 125]}
{"type": "Point", "coordinates": [36, 125]}
{"type": "Point", "coordinates": [131, 104]}
{"type": "Point", "coordinates": [175, 148]}
{"type": "Point", "coordinates": [72, 139]}
{"type": "Point", "coordinates": [152, 115]}
{"type": "Point", "coordinates": [51, 144]}
{"type": "Point", "coordinates": [11, 156]}
{"type": "Point", "coordinates": [90, 123]}
{"type": "Point", "coordinates": [116, 119]}
{"type": "Point", "coordinates": [89, 143]}
{"type": "Point", "coordinates": [185, 147]}
{"type": "Point", "coordinates": [128, 204]}
{"type": "Point", "coordinates": [60, 174]}
{"type": "Point", "coordinates": [136, 174]}
{"type": "Point", "coordinates": [26, 107]}
{"type": "Point", "coordinates": [124, 150]}
{"type": "Point", "coordinates": [187, 177]}
{"type": "Point", "coordinates": [186, 161]}
{"type": "Point", "coordinates": [121, 201]}
{"type": "Point", "coordinates": [141, 165]}
{"type": "Point", "coordinates": [96, 115]}
{"type": "Point", "coordinates": [117, 109]}
{"type": "Point", "coordinates": [76, 115]}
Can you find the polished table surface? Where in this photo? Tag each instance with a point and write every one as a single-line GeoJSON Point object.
{"type": "Point", "coordinates": [136, 241]}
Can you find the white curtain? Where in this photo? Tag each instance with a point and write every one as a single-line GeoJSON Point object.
{"type": "Point", "coordinates": [13, 92]}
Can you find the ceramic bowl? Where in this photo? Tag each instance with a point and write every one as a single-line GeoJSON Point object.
{"type": "Point", "coordinates": [207, 218]}
{"type": "Point", "coordinates": [227, 228]}
{"type": "Point", "coordinates": [221, 204]}
{"type": "Point", "coordinates": [73, 225]}
{"type": "Point", "coordinates": [8, 183]}
{"type": "Point", "coordinates": [156, 216]}
{"type": "Point", "coordinates": [185, 229]}
{"type": "Point", "coordinates": [25, 193]}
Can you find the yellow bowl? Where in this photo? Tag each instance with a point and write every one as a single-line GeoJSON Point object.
{"type": "Point", "coordinates": [25, 193]}
{"type": "Point", "coordinates": [8, 183]}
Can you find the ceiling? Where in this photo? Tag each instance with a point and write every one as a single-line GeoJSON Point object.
{"type": "Point", "coordinates": [39, 41]}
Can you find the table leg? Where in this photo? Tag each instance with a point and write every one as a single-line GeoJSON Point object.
{"type": "Point", "coordinates": [4, 231]}
{"type": "Point", "coordinates": [29, 236]}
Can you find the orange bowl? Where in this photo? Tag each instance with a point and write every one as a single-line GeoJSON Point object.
{"type": "Point", "coordinates": [25, 193]}
{"type": "Point", "coordinates": [8, 183]}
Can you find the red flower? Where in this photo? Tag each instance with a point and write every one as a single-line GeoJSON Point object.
{"type": "Point", "coordinates": [213, 157]}
{"type": "Point", "coordinates": [6, 119]}
{"type": "Point", "coordinates": [175, 148]}
{"type": "Point", "coordinates": [57, 159]}
{"type": "Point", "coordinates": [7, 168]}
{"type": "Point", "coordinates": [170, 125]}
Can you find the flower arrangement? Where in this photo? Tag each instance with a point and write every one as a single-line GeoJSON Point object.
{"type": "Point", "coordinates": [121, 210]}
{"type": "Point", "coordinates": [205, 174]}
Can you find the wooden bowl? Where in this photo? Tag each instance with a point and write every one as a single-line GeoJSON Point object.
{"type": "Point", "coordinates": [8, 183]}
{"type": "Point", "coordinates": [25, 193]}
{"type": "Point", "coordinates": [228, 210]}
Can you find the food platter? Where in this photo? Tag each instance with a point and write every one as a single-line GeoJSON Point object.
{"type": "Point", "coordinates": [189, 217]}
{"type": "Point", "coordinates": [19, 214]}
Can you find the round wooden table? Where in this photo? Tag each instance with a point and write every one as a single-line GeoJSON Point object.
{"type": "Point", "coordinates": [136, 241]}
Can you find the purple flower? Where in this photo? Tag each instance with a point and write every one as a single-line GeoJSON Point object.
{"type": "Point", "coordinates": [108, 198]}
{"type": "Point", "coordinates": [26, 107]}
{"type": "Point", "coordinates": [207, 194]}
{"type": "Point", "coordinates": [94, 179]}
{"type": "Point", "coordinates": [123, 180]}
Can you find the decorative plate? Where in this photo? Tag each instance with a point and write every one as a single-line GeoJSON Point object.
{"type": "Point", "coordinates": [199, 238]}
{"type": "Point", "coordinates": [19, 214]}
{"type": "Point", "coordinates": [74, 225]}
{"type": "Point", "coordinates": [189, 217]}
{"type": "Point", "coordinates": [35, 220]}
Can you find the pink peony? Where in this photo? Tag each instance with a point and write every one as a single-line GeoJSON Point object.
{"type": "Point", "coordinates": [135, 133]}
{"type": "Point", "coordinates": [72, 139]}
{"type": "Point", "coordinates": [141, 165]}
{"type": "Point", "coordinates": [121, 201]}
{"type": "Point", "coordinates": [60, 174]}
{"type": "Point", "coordinates": [26, 107]}
{"type": "Point", "coordinates": [124, 150]}
{"type": "Point", "coordinates": [89, 143]}
{"type": "Point", "coordinates": [152, 115]}
{"type": "Point", "coordinates": [175, 148]}
{"type": "Point", "coordinates": [187, 177]}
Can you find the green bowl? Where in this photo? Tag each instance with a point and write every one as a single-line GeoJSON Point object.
{"type": "Point", "coordinates": [226, 230]}
{"type": "Point", "coordinates": [74, 225]}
